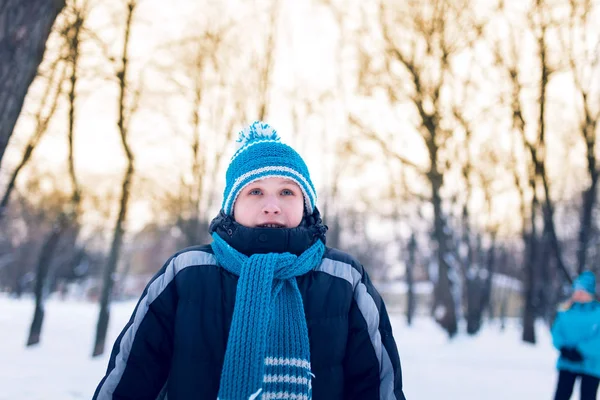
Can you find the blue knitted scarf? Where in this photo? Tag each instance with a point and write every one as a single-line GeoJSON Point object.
{"type": "Point", "coordinates": [268, 352]}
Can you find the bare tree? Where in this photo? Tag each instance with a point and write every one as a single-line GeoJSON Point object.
{"type": "Point", "coordinates": [67, 220]}
{"type": "Point", "coordinates": [312, 106]}
{"type": "Point", "coordinates": [481, 267]}
{"type": "Point", "coordinates": [583, 54]}
{"type": "Point", "coordinates": [25, 27]}
{"type": "Point", "coordinates": [529, 229]}
{"type": "Point", "coordinates": [537, 150]}
{"type": "Point", "coordinates": [474, 269]}
{"type": "Point", "coordinates": [422, 46]}
{"type": "Point", "coordinates": [125, 109]}
{"type": "Point", "coordinates": [78, 11]}
{"type": "Point", "coordinates": [205, 76]}
{"type": "Point", "coordinates": [199, 61]}
{"type": "Point", "coordinates": [536, 244]}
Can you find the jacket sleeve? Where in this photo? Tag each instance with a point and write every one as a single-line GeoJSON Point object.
{"type": "Point", "coordinates": [141, 356]}
{"type": "Point", "coordinates": [590, 348]}
{"type": "Point", "coordinates": [590, 345]}
{"type": "Point", "coordinates": [372, 365]}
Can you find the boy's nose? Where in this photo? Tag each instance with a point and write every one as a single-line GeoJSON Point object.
{"type": "Point", "coordinates": [271, 207]}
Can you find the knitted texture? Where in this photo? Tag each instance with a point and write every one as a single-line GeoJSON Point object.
{"type": "Point", "coordinates": [268, 353]}
{"type": "Point", "coordinates": [586, 281]}
{"type": "Point", "coordinates": [262, 155]}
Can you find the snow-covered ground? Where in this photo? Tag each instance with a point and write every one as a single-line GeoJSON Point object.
{"type": "Point", "coordinates": [491, 366]}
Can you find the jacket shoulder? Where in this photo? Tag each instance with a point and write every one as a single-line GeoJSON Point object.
{"type": "Point", "coordinates": [205, 248]}
{"type": "Point", "coordinates": [338, 255]}
{"type": "Point", "coordinates": [342, 265]}
{"type": "Point", "coordinates": [193, 256]}
{"type": "Point", "coordinates": [578, 311]}
{"type": "Point", "coordinates": [196, 255]}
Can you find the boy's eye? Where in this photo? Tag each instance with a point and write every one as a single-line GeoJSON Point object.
{"type": "Point", "coordinates": [287, 192]}
{"type": "Point", "coordinates": [254, 192]}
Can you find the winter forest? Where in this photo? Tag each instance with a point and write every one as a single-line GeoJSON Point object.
{"type": "Point", "coordinates": [452, 143]}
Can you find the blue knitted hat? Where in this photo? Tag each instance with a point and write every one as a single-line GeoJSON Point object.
{"type": "Point", "coordinates": [586, 281]}
{"type": "Point", "coordinates": [260, 155]}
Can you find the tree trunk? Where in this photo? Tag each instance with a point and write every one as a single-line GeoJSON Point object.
{"type": "Point", "coordinates": [410, 266]}
{"type": "Point", "coordinates": [502, 312]}
{"type": "Point", "coordinates": [444, 304]}
{"type": "Point", "coordinates": [486, 301]}
{"type": "Point", "coordinates": [111, 266]}
{"type": "Point", "coordinates": [470, 276]}
{"type": "Point", "coordinates": [115, 250]}
{"type": "Point", "coordinates": [529, 312]}
{"type": "Point", "coordinates": [589, 200]}
{"type": "Point", "coordinates": [540, 161]}
{"type": "Point", "coordinates": [24, 29]}
{"type": "Point", "coordinates": [74, 43]}
{"type": "Point", "coordinates": [473, 280]}
{"type": "Point", "coordinates": [474, 295]}
{"type": "Point", "coordinates": [544, 288]}
{"type": "Point", "coordinates": [43, 266]}
{"type": "Point", "coordinates": [550, 228]}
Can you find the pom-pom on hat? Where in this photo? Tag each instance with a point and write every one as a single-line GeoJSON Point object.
{"type": "Point", "coordinates": [261, 155]}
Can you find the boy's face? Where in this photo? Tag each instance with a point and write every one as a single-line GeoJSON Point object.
{"type": "Point", "coordinates": [270, 203]}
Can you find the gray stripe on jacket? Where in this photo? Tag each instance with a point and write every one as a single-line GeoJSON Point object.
{"type": "Point", "coordinates": [176, 265]}
{"type": "Point", "coordinates": [366, 305]}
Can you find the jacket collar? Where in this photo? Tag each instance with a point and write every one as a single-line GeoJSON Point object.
{"type": "Point", "coordinates": [250, 241]}
{"type": "Point", "coordinates": [590, 305]}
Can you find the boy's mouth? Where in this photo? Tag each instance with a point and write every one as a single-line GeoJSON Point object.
{"type": "Point", "coordinates": [271, 226]}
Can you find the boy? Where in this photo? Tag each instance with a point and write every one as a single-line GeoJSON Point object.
{"type": "Point", "coordinates": [265, 311]}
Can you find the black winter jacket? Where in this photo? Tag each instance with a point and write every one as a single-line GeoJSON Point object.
{"type": "Point", "coordinates": [174, 344]}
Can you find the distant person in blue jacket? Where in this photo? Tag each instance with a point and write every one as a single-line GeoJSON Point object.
{"type": "Point", "coordinates": [576, 333]}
